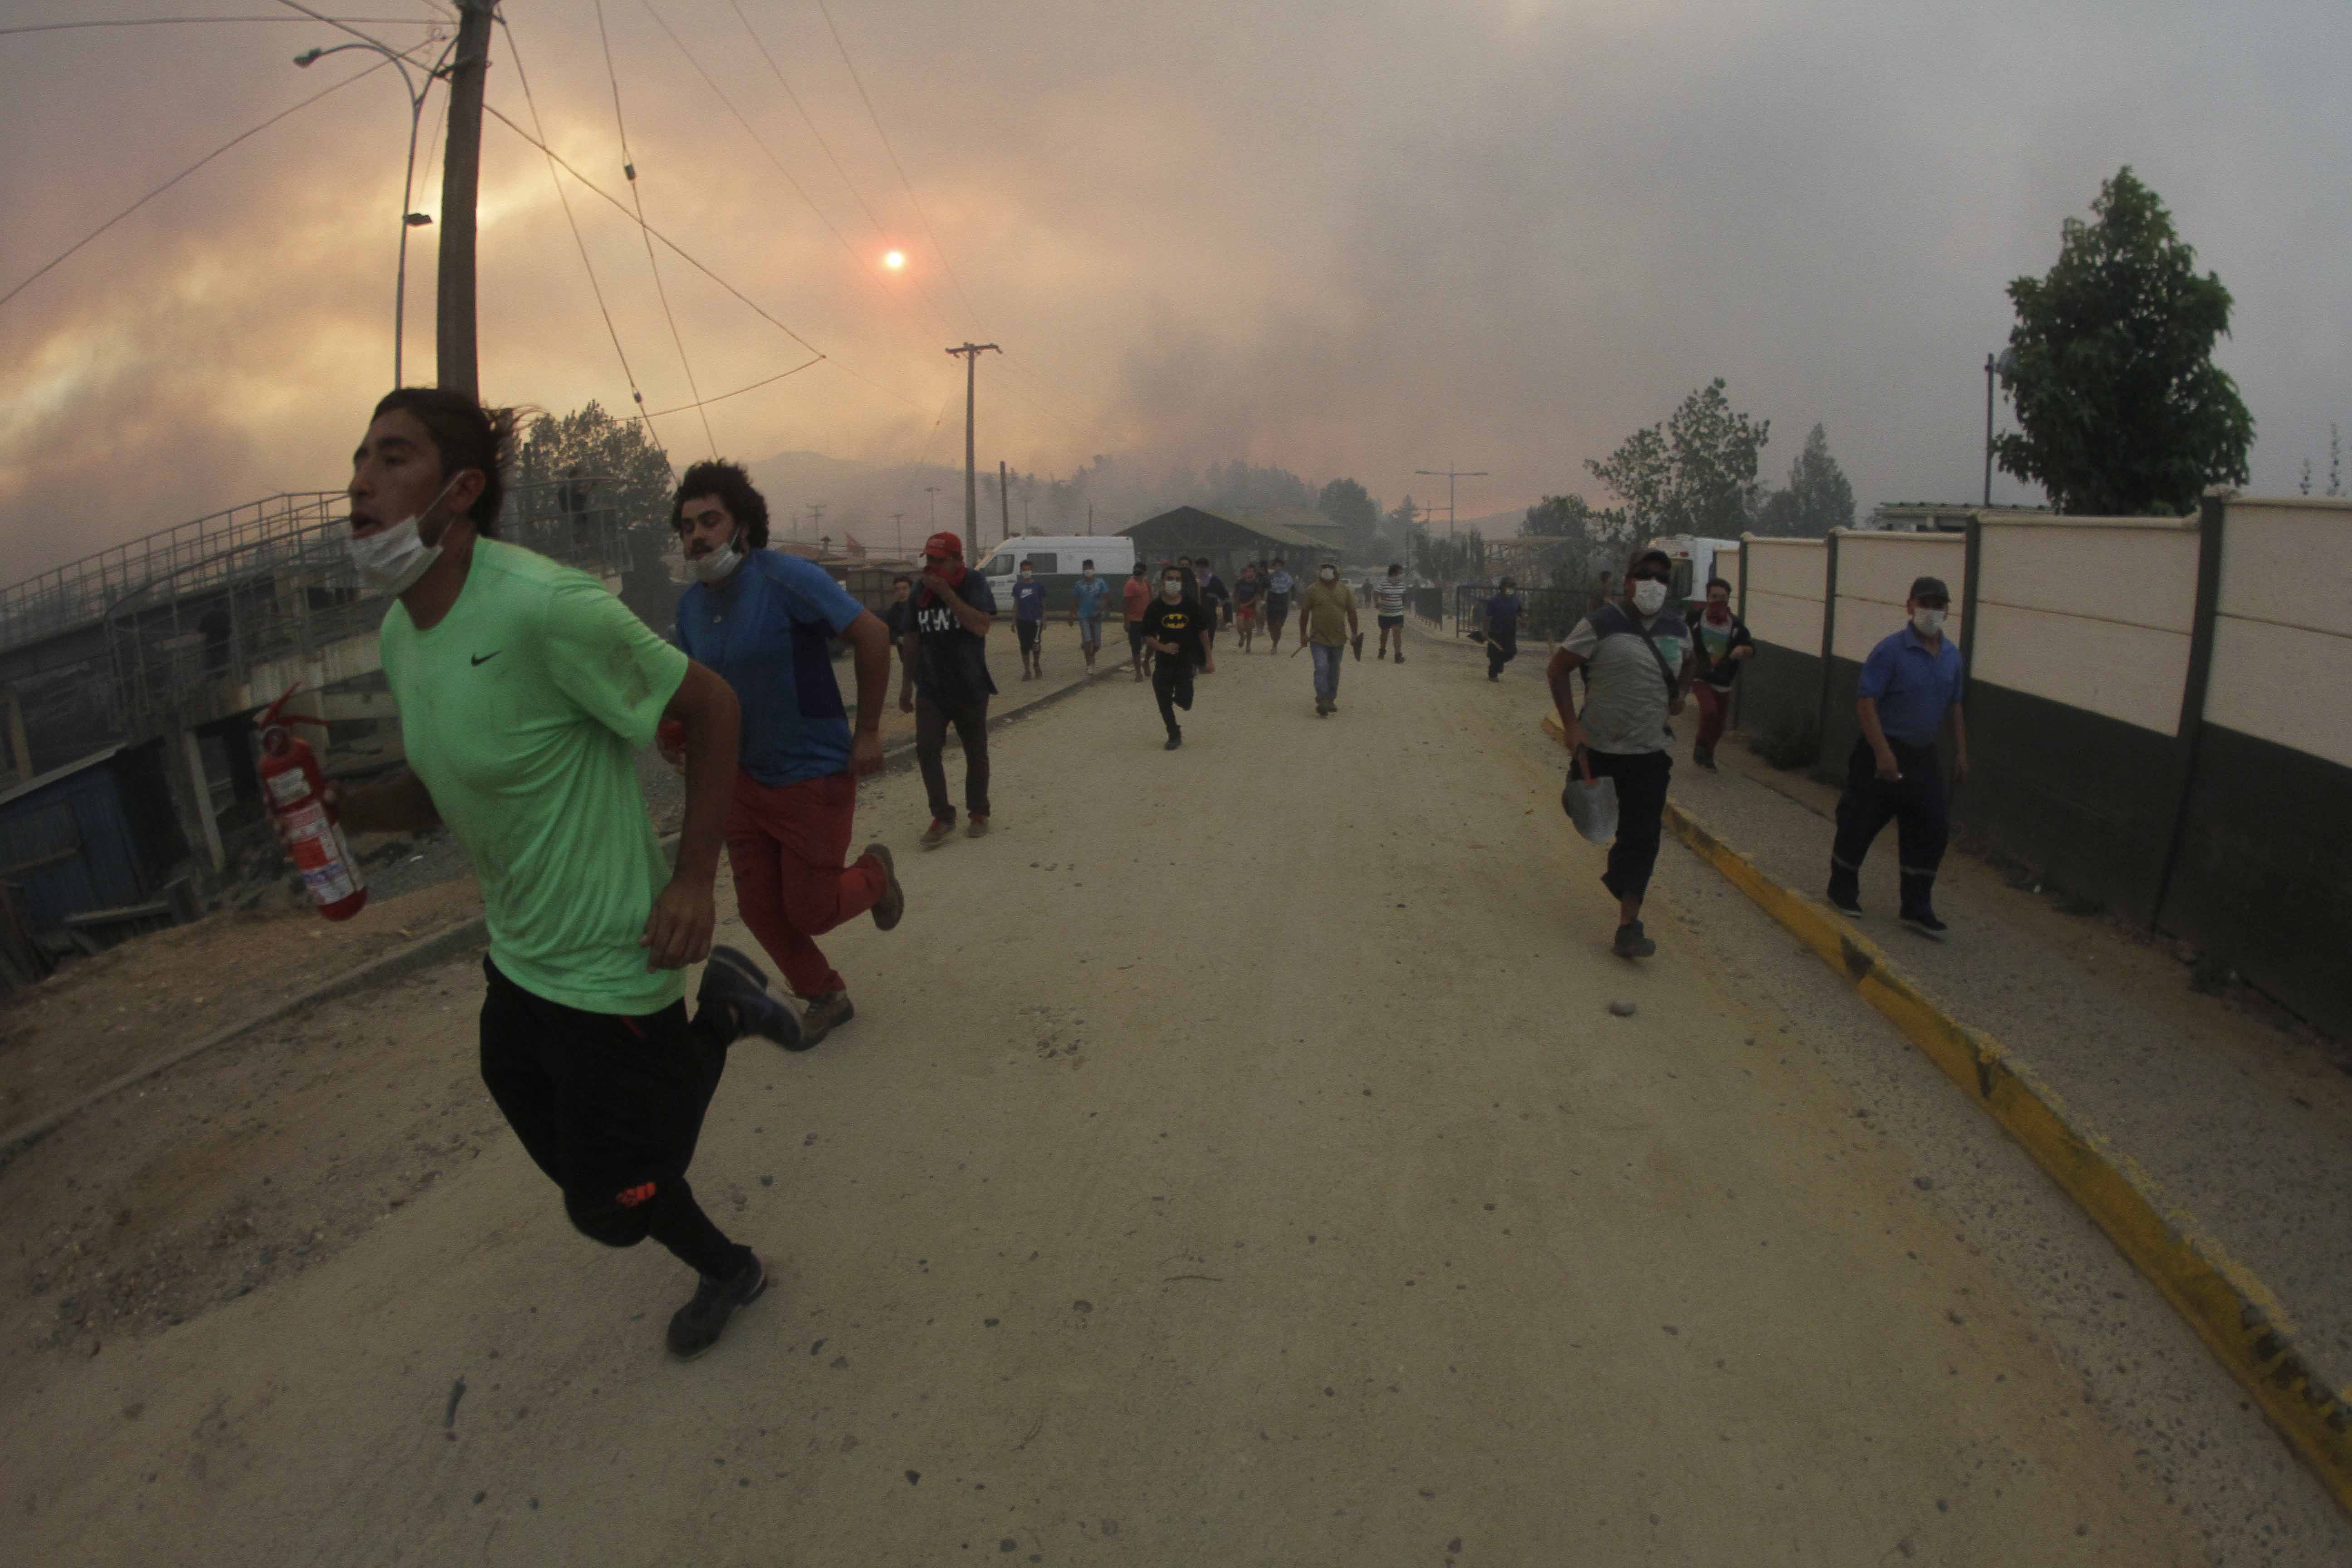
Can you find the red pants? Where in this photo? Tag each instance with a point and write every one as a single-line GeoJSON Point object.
{"type": "Point", "coordinates": [1714, 708]}
{"type": "Point", "coordinates": [785, 847]}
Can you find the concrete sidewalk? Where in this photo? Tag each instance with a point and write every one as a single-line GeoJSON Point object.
{"type": "Point", "coordinates": [2244, 1124]}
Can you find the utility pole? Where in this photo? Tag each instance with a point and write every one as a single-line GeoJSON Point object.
{"type": "Point", "coordinates": [898, 531]}
{"type": "Point", "coordinates": [1991, 364]}
{"type": "Point", "coordinates": [933, 492]}
{"type": "Point", "coordinates": [1004, 499]}
{"type": "Point", "coordinates": [816, 520]}
{"type": "Point", "coordinates": [1449, 473]}
{"type": "Point", "coordinates": [455, 362]}
{"type": "Point", "coordinates": [970, 353]}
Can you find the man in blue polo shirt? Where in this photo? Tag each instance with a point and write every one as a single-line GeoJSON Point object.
{"type": "Point", "coordinates": [766, 622]}
{"type": "Point", "coordinates": [1910, 684]}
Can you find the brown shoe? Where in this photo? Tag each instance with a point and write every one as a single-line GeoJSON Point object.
{"type": "Point", "coordinates": [825, 1014]}
{"type": "Point", "coordinates": [893, 903]}
{"type": "Point", "coordinates": [976, 827]}
{"type": "Point", "coordinates": [936, 834]}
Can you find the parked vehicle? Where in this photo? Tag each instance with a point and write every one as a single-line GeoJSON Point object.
{"type": "Point", "coordinates": [1695, 560]}
{"type": "Point", "coordinates": [1056, 560]}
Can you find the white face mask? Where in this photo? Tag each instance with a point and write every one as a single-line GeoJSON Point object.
{"type": "Point", "coordinates": [1927, 622]}
{"type": "Point", "coordinates": [1329, 574]}
{"type": "Point", "coordinates": [1649, 596]}
{"type": "Point", "coordinates": [717, 566]}
{"type": "Point", "coordinates": [391, 559]}
{"type": "Point", "coordinates": [1172, 589]}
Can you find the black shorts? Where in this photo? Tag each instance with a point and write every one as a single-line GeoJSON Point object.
{"type": "Point", "coordinates": [1389, 621]}
{"type": "Point", "coordinates": [1277, 608]}
{"type": "Point", "coordinates": [1135, 638]}
{"type": "Point", "coordinates": [1027, 631]}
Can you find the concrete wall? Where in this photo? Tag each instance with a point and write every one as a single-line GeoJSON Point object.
{"type": "Point", "coordinates": [2143, 735]}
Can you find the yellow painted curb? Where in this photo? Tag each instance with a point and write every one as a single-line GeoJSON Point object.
{"type": "Point", "coordinates": [2240, 1319]}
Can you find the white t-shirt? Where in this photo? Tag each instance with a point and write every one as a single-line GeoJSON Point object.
{"type": "Point", "coordinates": [1388, 598]}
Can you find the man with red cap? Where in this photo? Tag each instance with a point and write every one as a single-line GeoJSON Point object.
{"type": "Point", "coordinates": [946, 681]}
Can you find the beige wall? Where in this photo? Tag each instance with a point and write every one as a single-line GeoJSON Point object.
{"type": "Point", "coordinates": [2284, 625]}
{"type": "Point", "coordinates": [2091, 612]}
{"type": "Point", "coordinates": [1874, 575]}
{"type": "Point", "coordinates": [1784, 592]}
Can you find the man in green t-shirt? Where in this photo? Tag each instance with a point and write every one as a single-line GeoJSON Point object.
{"type": "Point", "coordinates": [1327, 621]}
{"type": "Point", "coordinates": [525, 691]}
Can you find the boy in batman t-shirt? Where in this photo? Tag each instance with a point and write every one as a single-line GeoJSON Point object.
{"type": "Point", "coordinates": [1175, 627]}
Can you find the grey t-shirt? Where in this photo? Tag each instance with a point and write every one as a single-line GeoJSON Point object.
{"type": "Point", "coordinates": [1626, 709]}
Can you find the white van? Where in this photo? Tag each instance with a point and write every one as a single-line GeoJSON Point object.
{"type": "Point", "coordinates": [1057, 560]}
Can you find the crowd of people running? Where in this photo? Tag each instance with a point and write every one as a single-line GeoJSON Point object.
{"type": "Point", "coordinates": [526, 689]}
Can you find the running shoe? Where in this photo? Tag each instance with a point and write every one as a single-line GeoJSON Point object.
{"type": "Point", "coordinates": [975, 828]}
{"type": "Point", "coordinates": [1844, 901]}
{"type": "Point", "coordinates": [695, 1327]}
{"type": "Point", "coordinates": [1175, 738]}
{"type": "Point", "coordinates": [1632, 943]}
{"type": "Point", "coordinates": [824, 1014]}
{"type": "Point", "coordinates": [936, 834]}
{"type": "Point", "coordinates": [734, 982]}
{"type": "Point", "coordinates": [893, 902]}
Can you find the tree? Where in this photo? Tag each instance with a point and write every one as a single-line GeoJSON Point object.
{"type": "Point", "coordinates": [1588, 540]}
{"type": "Point", "coordinates": [1351, 506]}
{"type": "Point", "coordinates": [1693, 474]}
{"type": "Point", "coordinates": [1818, 498]}
{"type": "Point", "coordinates": [1400, 527]}
{"type": "Point", "coordinates": [2120, 408]}
{"type": "Point", "coordinates": [622, 467]}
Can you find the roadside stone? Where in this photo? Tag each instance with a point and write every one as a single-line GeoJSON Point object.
{"type": "Point", "coordinates": [1621, 1008]}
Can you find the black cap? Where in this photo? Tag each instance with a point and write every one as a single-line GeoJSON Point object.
{"type": "Point", "coordinates": [1930, 588]}
{"type": "Point", "coordinates": [1646, 556]}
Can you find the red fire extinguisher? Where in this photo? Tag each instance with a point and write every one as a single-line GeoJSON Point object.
{"type": "Point", "coordinates": [296, 789]}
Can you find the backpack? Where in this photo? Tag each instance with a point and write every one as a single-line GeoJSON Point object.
{"type": "Point", "coordinates": [1610, 621]}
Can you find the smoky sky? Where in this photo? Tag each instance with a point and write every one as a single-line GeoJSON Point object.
{"type": "Point", "coordinates": [1353, 239]}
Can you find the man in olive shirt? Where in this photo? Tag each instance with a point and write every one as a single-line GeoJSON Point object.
{"type": "Point", "coordinates": [1327, 621]}
{"type": "Point", "coordinates": [525, 689]}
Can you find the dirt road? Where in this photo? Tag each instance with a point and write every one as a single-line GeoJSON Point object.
{"type": "Point", "coordinates": [1234, 1159]}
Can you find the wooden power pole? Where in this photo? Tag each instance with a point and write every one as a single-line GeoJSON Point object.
{"type": "Point", "coordinates": [969, 352]}
{"type": "Point", "coordinates": [455, 362]}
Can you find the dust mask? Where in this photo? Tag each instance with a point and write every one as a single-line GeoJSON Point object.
{"type": "Point", "coordinates": [391, 559]}
{"type": "Point", "coordinates": [1649, 596]}
{"type": "Point", "coordinates": [1928, 621]}
{"type": "Point", "coordinates": [717, 565]}
{"type": "Point", "coordinates": [1329, 574]}
{"type": "Point", "coordinates": [1172, 590]}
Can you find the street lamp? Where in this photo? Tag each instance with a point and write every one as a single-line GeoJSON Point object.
{"type": "Point", "coordinates": [408, 219]}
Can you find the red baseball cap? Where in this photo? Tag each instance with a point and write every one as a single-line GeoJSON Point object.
{"type": "Point", "coordinates": [944, 543]}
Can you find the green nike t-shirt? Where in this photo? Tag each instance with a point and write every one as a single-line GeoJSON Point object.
{"type": "Point", "coordinates": [522, 711]}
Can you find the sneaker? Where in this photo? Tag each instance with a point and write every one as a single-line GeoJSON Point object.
{"type": "Point", "coordinates": [1704, 756]}
{"type": "Point", "coordinates": [1845, 902]}
{"type": "Point", "coordinates": [1322, 710]}
{"type": "Point", "coordinates": [936, 834]}
{"type": "Point", "coordinates": [1175, 738]}
{"type": "Point", "coordinates": [1400, 656]}
{"type": "Point", "coordinates": [732, 982]}
{"type": "Point", "coordinates": [1925, 922]}
{"type": "Point", "coordinates": [1494, 675]}
{"type": "Point", "coordinates": [825, 1014]}
{"type": "Point", "coordinates": [976, 827]}
{"type": "Point", "coordinates": [894, 897]}
{"type": "Point", "coordinates": [1631, 943]}
{"type": "Point", "coordinates": [695, 1327]}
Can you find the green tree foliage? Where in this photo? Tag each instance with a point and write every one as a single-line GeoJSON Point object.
{"type": "Point", "coordinates": [1400, 527]}
{"type": "Point", "coordinates": [1693, 474]}
{"type": "Point", "coordinates": [1351, 506]}
{"type": "Point", "coordinates": [1450, 558]}
{"type": "Point", "coordinates": [622, 469]}
{"type": "Point", "coordinates": [2120, 408]}
{"type": "Point", "coordinates": [1818, 498]}
{"type": "Point", "coordinates": [1587, 541]}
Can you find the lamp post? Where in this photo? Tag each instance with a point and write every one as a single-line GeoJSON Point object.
{"type": "Point", "coordinates": [1999, 364]}
{"type": "Point", "coordinates": [408, 219]}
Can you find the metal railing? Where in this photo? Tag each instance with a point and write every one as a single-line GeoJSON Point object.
{"type": "Point", "coordinates": [1546, 614]}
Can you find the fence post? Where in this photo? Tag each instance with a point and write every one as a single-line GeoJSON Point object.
{"type": "Point", "coordinates": [2211, 510]}
{"type": "Point", "coordinates": [1736, 688]}
{"type": "Point", "coordinates": [1829, 635]}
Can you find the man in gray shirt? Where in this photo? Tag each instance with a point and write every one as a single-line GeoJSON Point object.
{"type": "Point", "coordinates": [1637, 665]}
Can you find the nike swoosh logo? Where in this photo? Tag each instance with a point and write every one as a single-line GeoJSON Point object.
{"type": "Point", "coordinates": [486, 657]}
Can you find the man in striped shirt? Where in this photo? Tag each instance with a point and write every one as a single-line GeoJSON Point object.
{"type": "Point", "coordinates": [1388, 603]}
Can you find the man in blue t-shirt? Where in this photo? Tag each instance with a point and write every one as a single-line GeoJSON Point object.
{"type": "Point", "coordinates": [1086, 611]}
{"type": "Point", "coordinates": [1910, 686]}
{"type": "Point", "coordinates": [1029, 622]}
{"type": "Point", "coordinates": [766, 623]}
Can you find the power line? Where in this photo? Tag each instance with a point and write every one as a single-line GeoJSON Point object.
{"type": "Point", "coordinates": [742, 390]}
{"type": "Point", "coordinates": [598, 289]}
{"type": "Point", "coordinates": [195, 21]}
{"type": "Point", "coordinates": [51, 264]}
{"type": "Point", "coordinates": [680, 252]}
{"type": "Point", "coordinates": [629, 167]}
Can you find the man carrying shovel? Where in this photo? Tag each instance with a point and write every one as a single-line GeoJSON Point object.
{"type": "Point", "coordinates": [1636, 661]}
